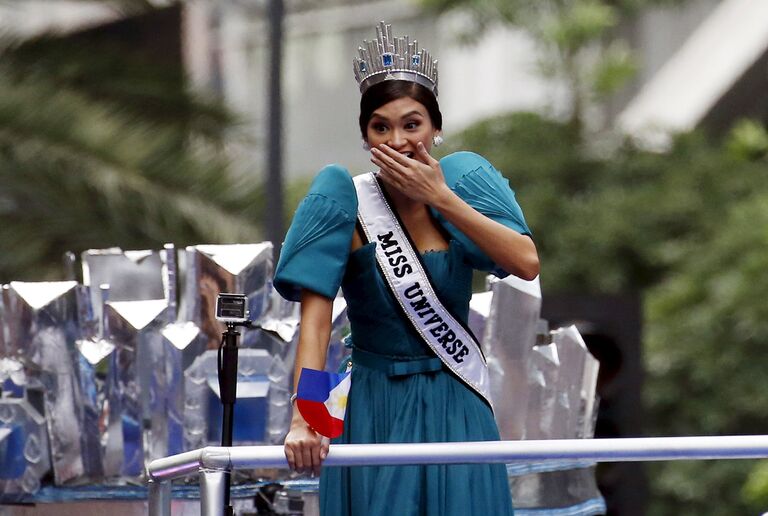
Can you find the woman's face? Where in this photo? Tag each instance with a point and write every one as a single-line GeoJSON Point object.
{"type": "Point", "coordinates": [401, 124]}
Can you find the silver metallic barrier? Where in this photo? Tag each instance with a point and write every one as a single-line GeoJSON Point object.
{"type": "Point", "coordinates": [211, 462]}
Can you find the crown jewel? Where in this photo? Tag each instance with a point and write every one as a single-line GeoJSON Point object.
{"type": "Point", "coordinates": [388, 58]}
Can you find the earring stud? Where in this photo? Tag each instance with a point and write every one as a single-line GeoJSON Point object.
{"type": "Point", "coordinates": [366, 146]}
{"type": "Point", "coordinates": [437, 140]}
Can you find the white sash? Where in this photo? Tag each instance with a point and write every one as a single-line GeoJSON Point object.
{"type": "Point", "coordinates": [404, 273]}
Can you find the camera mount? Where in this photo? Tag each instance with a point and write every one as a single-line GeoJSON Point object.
{"type": "Point", "coordinates": [230, 309]}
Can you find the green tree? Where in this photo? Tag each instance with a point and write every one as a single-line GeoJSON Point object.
{"type": "Point", "coordinates": [706, 336]}
{"type": "Point", "coordinates": [707, 332]}
{"type": "Point", "coordinates": [100, 145]}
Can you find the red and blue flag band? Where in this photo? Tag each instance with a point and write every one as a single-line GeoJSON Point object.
{"type": "Point", "coordinates": [321, 398]}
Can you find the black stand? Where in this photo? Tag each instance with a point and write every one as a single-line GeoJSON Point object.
{"type": "Point", "coordinates": [228, 390]}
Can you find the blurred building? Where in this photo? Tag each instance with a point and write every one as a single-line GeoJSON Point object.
{"type": "Point", "coordinates": [227, 45]}
{"type": "Point", "coordinates": [701, 63]}
{"type": "Point", "coordinates": [226, 52]}
{"type": "Point", "coordinates": [33, 17]}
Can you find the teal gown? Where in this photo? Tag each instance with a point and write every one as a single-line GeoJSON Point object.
{"type": "Point", "coordinates": [400, 393]}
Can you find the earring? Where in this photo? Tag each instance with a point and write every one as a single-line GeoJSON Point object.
{"type": "Point", "coordinates": [437, 140]}
{"type": "Point", "coordinates": [366, 146]}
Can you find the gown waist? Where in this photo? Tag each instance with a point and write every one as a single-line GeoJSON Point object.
{"type": "Point", "coordinates": [396, 366]}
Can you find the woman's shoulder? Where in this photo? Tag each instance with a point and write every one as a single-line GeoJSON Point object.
{"type": "Point", "coordinates": [482, 186]}
{"type": "Point", "coordinates": [315, 250]}
{"type": "Point", "coordinates": [334, 182]}
{"type": "Point", "coordinates": [458, 164]}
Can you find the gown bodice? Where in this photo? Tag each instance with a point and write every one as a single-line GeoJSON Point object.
{"type": "Point", "coordinates": [375, 319]}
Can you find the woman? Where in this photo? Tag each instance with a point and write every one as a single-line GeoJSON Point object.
{"type": "Point", "coordinates": [407, 386]}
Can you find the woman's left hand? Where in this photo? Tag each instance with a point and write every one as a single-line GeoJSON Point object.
{"type": "Point", "coordinates": [420, 179]}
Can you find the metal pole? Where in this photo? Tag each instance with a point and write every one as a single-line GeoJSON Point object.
{"type": "Point", "coordinates": [159, 498]}
{"type": "Point", "coordinates": [213, 488]}
{"type": "Point", "coordinates": [597, 450]}
{"type": "Point", "coordinates": [214, 462]}
{"type": "Point", "coordinates": [227, 368]}
{"type": "Point", "coordinates": [175, 466]}
{"type": "Point", "coordinates": [274, 187]}
{"type": "Point", "coordinates": [504, 452]}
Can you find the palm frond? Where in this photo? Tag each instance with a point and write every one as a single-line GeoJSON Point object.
{"type": "Point", "coordinates": [92, 156]}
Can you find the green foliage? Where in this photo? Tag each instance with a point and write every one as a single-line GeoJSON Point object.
{"type": "Point", "coordinates": [484, 13]}
{"type": "Point", "coordinates": [748, 140]}
{"type": "Point", "coordinates": [696, 488]}
{"type": "Point", "coordinates": [103, 147]}
{"type": "Point", "coordinates": [117, 75]}
{"type": "Point", "coordinates": [688, 229]}
{"type": "Point", "coordinates": [617, 66]}
{"type": "Point", "coordinates": [755, 491]}
{"type": "Point", "coordinates": [577, 40]}
{"type": "Point", "coordinates": [707, 329]}
{"type": "Point", "coordinates": [579, 24]}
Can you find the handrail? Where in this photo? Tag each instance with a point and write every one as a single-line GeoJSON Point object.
{"type": "Point", "coordinates": [598, 450]}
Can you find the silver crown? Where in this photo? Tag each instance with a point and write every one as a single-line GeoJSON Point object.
{"type": "Point", "coordinates": [387, 58]}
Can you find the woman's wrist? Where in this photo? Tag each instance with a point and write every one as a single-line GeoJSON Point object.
{"type": "Point", "coordinates": [297, 418]}
{"type": "Point", "coordinates": [444, 198]}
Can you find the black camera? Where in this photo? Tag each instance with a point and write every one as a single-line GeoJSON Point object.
{"type": "Point", "coordinates": [232, 308]}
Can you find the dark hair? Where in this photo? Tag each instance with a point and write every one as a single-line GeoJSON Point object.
{"type": "Point", "coordinates": [387, 91]}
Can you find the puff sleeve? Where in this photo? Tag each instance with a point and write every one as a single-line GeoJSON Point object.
{"type": "Point", "coordinates": [314, 254]}
{"type": "Point", "coordinates": [483, 187]}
